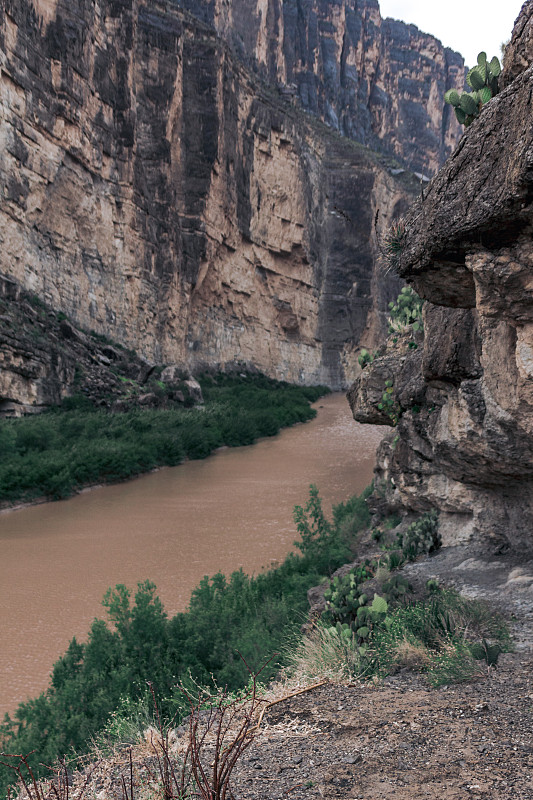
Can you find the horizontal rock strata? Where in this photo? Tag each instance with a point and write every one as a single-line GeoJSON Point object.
{"type": "Point", "coordinates": [155, 192]}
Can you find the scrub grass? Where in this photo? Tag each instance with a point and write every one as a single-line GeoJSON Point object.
{"type": "Point", "coordinates": [447, 637]}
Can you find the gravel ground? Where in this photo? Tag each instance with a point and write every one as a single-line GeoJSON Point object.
{"type": "Point", "coordinates": [399, 739]}
{"type": "Point", "coordinates": [396, 740]}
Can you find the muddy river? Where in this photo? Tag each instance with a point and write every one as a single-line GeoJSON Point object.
{"type": "Point", "coordinates": [173, 526]}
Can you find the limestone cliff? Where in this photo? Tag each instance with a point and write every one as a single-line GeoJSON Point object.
{"type": "Point", "coordinates": [378, 81]}
{"type": "Point", "coordinates": [154, 192]}
{"type": "Point", "coordinates": [157, 191]}
{"type": "Point", "coordinates": [464, 440]}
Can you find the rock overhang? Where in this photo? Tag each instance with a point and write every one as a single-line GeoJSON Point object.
{"type": "Point", "coordinates": [482, 196]}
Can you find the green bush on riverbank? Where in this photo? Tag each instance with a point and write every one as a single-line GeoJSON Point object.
{"type": "Point", "coordinates": [56, 453]}
{"type": "Point", "coordinates": [228, 619]}
{"type": "Point", "coordinates": [99, 689]}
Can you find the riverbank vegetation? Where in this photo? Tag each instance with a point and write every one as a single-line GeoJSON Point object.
{"type": "Point", "coordinates": [374, 623]}
{"type": "Point", "coordinates": [56, 453]}
{"type": "Point", "coordinates": [228, 620]}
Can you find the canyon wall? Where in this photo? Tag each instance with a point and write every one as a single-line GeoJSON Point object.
{"type": "Point", "coordinates": [156, 191]}
{"type": "Point", "coordinates": [378, 81]}
{"type": "Point", "coordinates": [464, 397]}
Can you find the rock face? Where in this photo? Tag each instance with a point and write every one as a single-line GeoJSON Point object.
{"type": "Point", "coordinates": [45, 358]}
{"type": "Point", "coordinates": [464, 441]}
{"type": "Point", "coordinates": [380, 82]}
{"type": "Point", "coordinates": [156, 192]}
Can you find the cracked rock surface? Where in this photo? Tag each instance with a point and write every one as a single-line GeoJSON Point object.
{"type": "Point", "coordinates": [464, 439]}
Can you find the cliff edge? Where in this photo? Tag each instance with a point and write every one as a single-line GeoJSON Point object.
{"type": "Point", "coordinates": [464, 437]}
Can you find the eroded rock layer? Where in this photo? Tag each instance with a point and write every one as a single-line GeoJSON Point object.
{"type": "Point", "coordinates": [378, 81]}
{"type": "Point", "coordinates": [464, 440]}
{"type": "Point", "coordinates": [155, 193]}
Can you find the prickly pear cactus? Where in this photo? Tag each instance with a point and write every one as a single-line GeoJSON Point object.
{"type": "Point", "coordinates": [421, 536]}
{"type": "Point", "coordinates": [483, 80]}
{"type": "Point", "coordinates": [483, 651]}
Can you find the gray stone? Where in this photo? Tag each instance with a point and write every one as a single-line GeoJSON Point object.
{"type": "Point", "coordinates": [195, 390]}
{"type": "Point", "coordinates": [464, 439]}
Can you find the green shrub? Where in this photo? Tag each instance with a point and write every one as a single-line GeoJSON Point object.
{"type": "Point", "coordinates": [395, 559]}
{"type": "Point", "coordinates": [443, 630]}
{"type": "Point", "coordinates": [322, 542]}
{"type": "Point", "coordinates": [8, 439]}
{"type": "Point", "coordinates": [56, 453]}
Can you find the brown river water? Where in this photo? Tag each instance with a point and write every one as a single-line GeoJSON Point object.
{"type": "Point", "coordinates": [234, 509]}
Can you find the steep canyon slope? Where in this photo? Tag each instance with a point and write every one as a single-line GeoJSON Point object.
{"type": "Point", "coordinates": [464, 440]}
{"type": "Point", "coordinates": [378, 81]}
{"type": "Point", "coordinates": [156, 191]}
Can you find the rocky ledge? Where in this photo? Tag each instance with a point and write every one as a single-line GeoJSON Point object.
{"type": "Point", "coordinates": [45, 358]}
{"type": "Point", "coordinates": [463, 442]}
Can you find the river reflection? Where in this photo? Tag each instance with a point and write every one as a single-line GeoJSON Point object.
{"type": "Point", "coordinates": [231, 510]}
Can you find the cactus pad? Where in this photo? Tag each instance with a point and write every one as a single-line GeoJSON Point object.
{"type": "Point", "coordinates": [468, 104]}
{"type": "Point", "coordinates": [452, 97]}
{"type": "Point", "coordinates": [495, 67]}
{"type": "Point", "coordinates": [475, 78]}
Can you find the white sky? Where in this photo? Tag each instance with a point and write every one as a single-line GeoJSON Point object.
{"type": "Point", "coordinates": [467, 26]}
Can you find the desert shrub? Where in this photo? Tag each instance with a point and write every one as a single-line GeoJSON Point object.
{"type": "Point", "coordinates": [228, 619]}
{"type": "Point", "coordinates": [326, 652]}
{"type": "Point", "coordinates": [446, 637]}
{"type": "Point", "coordinates": [353, 516]}
{"type": "Point", "coordinates": [443, 629]}
{"type": "Point", "coordinates": [320, 541]}
{"type": "Point", "coordinates": [56, 453]}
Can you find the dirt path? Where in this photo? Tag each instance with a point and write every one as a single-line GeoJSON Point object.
{"type": "Point", "coordinates": [399, 740]}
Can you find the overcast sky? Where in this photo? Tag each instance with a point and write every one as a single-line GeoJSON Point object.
{"type": "Point", "coordinates": [467, 26]}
